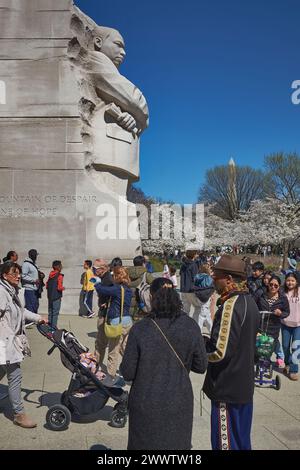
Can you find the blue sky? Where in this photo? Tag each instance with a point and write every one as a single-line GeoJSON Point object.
{"type": "Point", "coordinates": [217, 76]}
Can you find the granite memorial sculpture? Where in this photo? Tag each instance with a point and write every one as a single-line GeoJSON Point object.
{"type": "Point", "coordinates": [114, 112]}
{"type": "Point", "coordinates": [70, 126]}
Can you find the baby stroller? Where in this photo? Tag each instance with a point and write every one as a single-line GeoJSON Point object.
{"type": "Point", "coordinates": [86, 394]}
{"type": "Point", "coordinates": [265, 345]}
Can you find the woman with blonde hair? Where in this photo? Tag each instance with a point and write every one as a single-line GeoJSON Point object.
{"type": "Point", "coordinates": [118, 310]}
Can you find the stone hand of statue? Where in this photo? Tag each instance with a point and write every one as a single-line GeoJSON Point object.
{"type": "Point", "coordinates": [126, 121]}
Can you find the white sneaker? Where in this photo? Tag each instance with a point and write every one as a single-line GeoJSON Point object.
{"type": "Point", "coordinates": [91, 315]}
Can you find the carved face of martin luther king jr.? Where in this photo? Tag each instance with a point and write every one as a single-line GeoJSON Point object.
{"type": "Point", "coordinates": [110, 42]}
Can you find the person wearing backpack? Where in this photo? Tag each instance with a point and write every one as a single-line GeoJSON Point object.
{"type": "Point", "coordinates": [31, 281]}
{"type": "Point", "coordinates": [204, 289]}
{"type": "Point", "coordinates": [55, 290]}
{"type": "Point", "coordinates": [188, 271]}
{"type": "Point", "coordinates": [140, 281]}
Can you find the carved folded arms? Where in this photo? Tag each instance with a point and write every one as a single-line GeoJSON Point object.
{"type": "Point", "coordinates": [111, 87]}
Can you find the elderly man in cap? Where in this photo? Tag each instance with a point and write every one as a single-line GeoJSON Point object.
{"type": "Point", "coordinates": [229, 382]}
{"type": "Point", "coordinates": [101, 269]}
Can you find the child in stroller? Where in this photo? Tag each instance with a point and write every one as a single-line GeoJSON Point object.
{"type": "Point", "coordinates": [89, 388]}
{"type": "Point", "coordinates": [265, 346]}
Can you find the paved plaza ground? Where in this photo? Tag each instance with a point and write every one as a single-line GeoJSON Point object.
{"type": "Point", "coordinates": [276, 422]}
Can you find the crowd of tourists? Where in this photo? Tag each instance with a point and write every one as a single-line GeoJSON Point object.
{"type": "Point", "coordinates": [155, 330]}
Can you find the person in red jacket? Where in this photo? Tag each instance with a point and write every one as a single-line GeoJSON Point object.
{"type": "Point", "coordinates": [55, 290]}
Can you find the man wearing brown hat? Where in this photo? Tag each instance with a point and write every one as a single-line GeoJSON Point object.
{"type": "Point", "coordinates": [229, 381]}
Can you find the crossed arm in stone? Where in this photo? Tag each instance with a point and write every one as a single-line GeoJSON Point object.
{"type": "Point", "coordinates": [112, 87]}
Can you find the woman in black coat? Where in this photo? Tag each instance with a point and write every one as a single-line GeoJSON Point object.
{"type": "Point", "coordinates": [161, 397]}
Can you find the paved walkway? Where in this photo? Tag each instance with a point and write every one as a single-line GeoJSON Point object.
{"type": "Point", "coordinates": [276, 417]}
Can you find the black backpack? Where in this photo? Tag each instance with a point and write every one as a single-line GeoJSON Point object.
{"type": "Point", "coordinates": [203, 293]}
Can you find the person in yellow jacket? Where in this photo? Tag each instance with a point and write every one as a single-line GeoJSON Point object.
{"type": "Point", "coordinates": [88, 289]}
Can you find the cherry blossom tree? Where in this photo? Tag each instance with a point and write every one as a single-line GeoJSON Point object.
{"type": "Point", "coordinates": [272, 221]}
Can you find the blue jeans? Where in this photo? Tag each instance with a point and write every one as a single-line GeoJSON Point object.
{"type": "Point", "coordinates": [291, 349]}
{"type": "Point", "coordinates": [278, 350]}
{"type": "Point", "coordinates": [53, 311]}
{"type": "Point", "coordinates": [88, 301]}
{"type": "Point", "coordinates": [31, 300]}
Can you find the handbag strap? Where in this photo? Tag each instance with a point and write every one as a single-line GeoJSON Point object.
{"type": "Point", "coordinates": [122, 302]}
{"type": "Point", "coordinates": [170, 345]}
{"type": "Point", "coordinates": [122, 305]}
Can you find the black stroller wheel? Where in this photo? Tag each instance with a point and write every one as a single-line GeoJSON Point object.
{"type": "Point", "coordinates": [277, 382]}
{"type": "Point", "coordinates": [118, 419]}
{"type": "Point", "coordinates": [58, 418]}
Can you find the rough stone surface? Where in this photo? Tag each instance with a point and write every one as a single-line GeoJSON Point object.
{"type": "Point", "coordinates": [52, 190]}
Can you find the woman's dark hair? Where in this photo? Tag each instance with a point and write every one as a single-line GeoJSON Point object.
{"type": "Point", "coordinates": [166, 302]}
{"type": "Point", "coordinates": [6, 267]}
{"type": "Point", "coordinates": [138, 261]}
{"type": "Point", "coordinates": [88, 262]}
{"type": "Point", "coordinates": [268, 273]}
{"type": "Point", "coordinates": [116, 263]}
{"type": "Point", "coordinates": [8, 256]}
{"type": "Point", "coordinates": [276, 278]}
{"type": "Point", "coordinates": [296, 289]}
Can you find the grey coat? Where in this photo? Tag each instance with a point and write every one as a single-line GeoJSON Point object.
{"type": "Point", "coordinates": [161, 397]}
{"type": "Point", "coordinates": [30, 275]}
{"type": "Point", "coordinates": [12, 323]}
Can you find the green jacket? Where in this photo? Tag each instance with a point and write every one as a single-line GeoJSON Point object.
{"type": "Point", "coordinates": [136, 274]}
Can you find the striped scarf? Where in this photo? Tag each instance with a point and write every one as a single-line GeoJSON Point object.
{"type": "Point", "coordinates": [234, 287]}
